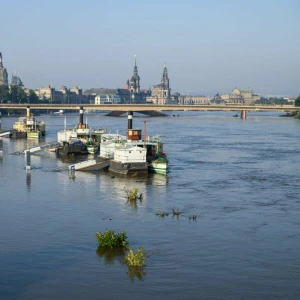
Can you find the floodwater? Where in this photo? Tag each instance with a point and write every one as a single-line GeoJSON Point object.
{"type": "Point", "coordinates": [240, 177]}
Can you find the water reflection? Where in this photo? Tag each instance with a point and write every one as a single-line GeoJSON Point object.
{"type": "Point", "coordinates": [110, 255]}
{"type": "Point", "coordinates": [28, 179]}
{"type": "Point", "coordinates": [136, 272]}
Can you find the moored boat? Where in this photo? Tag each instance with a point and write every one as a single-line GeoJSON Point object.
{"type": "Point", "coordinates": [155, 157]}
{"type": "Point", "coordinates": [90, 139]}
{"type": "Point", "coordinates": [129, 159]}
{"type": "Point", "coordinates": [34, 134]}
{"type": "Point", "coordinates": [29, 126]}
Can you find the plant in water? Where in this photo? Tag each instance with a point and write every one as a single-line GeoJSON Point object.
{"type": "Point", "coordinates": [132, 195]}
{"type": "Point", "coordinates": [193, 217]}
{"type": "Point", "coordinates": [176, 212]}
{"type": "Point", "coordinates": [135, 259]}
{"type": "Point", "coordinates": [112, 240]}
{"type": "Point", "coordinates": [162, 214]}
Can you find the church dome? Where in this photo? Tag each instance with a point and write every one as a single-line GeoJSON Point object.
{"type": "Point", "coordinates": [15, 80]}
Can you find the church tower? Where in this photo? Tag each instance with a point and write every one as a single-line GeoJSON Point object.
{"type": "Point", "coordinates": [135, 80]}
{"type": "Point", "coordinates": [3, 73]}
{"type": "Point", "coordinates": [165, 84]}
{"type": "Point", "coordinates": [165, 79]}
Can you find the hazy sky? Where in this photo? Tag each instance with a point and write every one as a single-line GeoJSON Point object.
{"type": "Point", "coordinates": [209, 46]}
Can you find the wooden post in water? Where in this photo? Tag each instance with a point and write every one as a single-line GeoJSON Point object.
{"type": "Point", "coordinates": [243, 114]}
{"type": "Point", "coordinates": [27, 155]}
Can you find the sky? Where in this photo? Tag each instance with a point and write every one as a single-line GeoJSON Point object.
{"type": "Point", "coordinates": [209, 46]}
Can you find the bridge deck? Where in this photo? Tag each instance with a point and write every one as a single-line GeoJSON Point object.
{"type": "Point", "coordinates": [152, 107]}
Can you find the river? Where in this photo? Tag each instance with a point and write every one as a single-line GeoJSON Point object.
{"type": "Point", "coordinates": [240, 177]}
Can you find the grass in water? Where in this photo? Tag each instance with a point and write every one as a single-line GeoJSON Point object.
{"type": "Point", "coordinates": [135, 259]}
{"type": "Point", "coordinates": [176, 212]}
{"type": "Point", "coordinates": [110, 239]}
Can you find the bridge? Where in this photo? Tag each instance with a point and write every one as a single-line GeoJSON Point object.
{"type": "Point", "coordinates": [152, 107]}
{"type": "Point", "coordinates": [147, 107]}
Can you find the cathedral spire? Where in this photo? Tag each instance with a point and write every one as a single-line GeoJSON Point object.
{"type": "Point", "coordinates": [0, 59]}
{"type": "Point", "coordinates": [135, 79]}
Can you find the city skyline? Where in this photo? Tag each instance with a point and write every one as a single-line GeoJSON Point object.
{"type": "Point", "coordinates": [209, 46]}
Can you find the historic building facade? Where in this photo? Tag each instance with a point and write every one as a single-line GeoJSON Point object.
{"type": "Point", "coordinates": [193, 100]}
{"type": "Point", "coordinates": [3, 73]}
{"type": "Point", "coordinates": [107, 99]}
{"type": "Point", "coordinates": [161, 93]}
{"type": "Point", "coordinates": [237, 96]}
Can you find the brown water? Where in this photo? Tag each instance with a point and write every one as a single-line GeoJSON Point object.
{"type": "Point", "coordinates": [240, 177]}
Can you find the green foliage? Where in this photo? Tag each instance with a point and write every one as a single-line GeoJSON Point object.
{"type": "Point", "coordinates": [176, 212]}
{"type": "Point", "coordinates": [272, 101]}
{"type": "Point", "coordinates": [32, 97]}
{"type": "Point", "coordinates": [135, 259]}
{"type": "Point", "coordinates": [297, 101]}
{"type": "Point", "coordinates": [4, 94]}
{"type": "Point", "coordinates": [112, 240]}
{"type": "Point", "coordinates": [132, 196]}
{"type": "Point", "coordinates": [297, 115]}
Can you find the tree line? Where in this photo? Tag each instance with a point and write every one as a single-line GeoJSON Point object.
{"type": "Point", "coordinates": [16, 94]}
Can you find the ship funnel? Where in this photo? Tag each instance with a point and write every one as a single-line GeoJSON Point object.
{"type": "Point", "coordinates": [28, 112]}
{"type": "Point", "coordinates": [129, 120]}
{"type": "Point", "coordinates": [81, 115]}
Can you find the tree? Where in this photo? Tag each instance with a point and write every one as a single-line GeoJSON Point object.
{"type": "Point", "coordinates": [32, 97]}
{"type": "Point", "coordinates": [4, 94]}
{"type": "Point", "coordinates": [297, 101]}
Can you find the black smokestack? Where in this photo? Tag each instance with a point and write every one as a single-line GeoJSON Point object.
{"type": "Point", "coordinates": [129, 120]}
{"type": "Point", "coordinates": [81, 115]}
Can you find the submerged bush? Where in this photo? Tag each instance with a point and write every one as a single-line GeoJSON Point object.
{"type": "Point", "coordinates": [132, 195]}
{"type": "Point", "coordinates": [112, 240]}
{"type": "Point", "coordinates": [135, 259]}
{"type": "Point", "coordinates": [176, 212]}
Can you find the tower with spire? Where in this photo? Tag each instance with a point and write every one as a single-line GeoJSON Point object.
{"type": "Point", "coordinates": [135, 79]}
{"type": "Point", "coordinates": [161, 93]}
{"type": "Point", "coordinates": [3, 73]}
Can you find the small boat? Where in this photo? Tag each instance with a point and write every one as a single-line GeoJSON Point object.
{"type": "Point", "coordinates": [158, 164]}
{"type": "Point", "coordinates": [92, 147]}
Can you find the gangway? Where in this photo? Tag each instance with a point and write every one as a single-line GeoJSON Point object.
{"type": "Point", "coordinates": [90, 165]}
{"type": "Point", "coordinates": [4, 133]}
{"type": "Point", "coordinates": [37, 148]}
